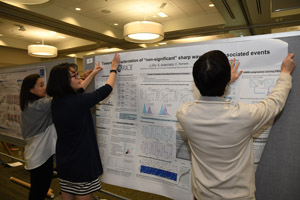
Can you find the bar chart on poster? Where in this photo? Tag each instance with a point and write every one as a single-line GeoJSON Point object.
{"type": "Point", "coordinates": [139, 143]}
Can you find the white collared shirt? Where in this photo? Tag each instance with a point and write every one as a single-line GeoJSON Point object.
{"type": "Point", "coordinates": [220, 138]}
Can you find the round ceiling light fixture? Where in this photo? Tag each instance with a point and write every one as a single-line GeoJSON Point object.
{"type": "Point", "coordinates": [42, 51]}
{"type": "Point", "coordinates": [32, 2]}
{"type": "Point", "coordinates": [143, 32]}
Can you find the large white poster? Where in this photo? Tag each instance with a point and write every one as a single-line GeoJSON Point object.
{"type": "Point", "coordinates": [136, 126]}
{"type": "Point", "coordinates": [10, 85]}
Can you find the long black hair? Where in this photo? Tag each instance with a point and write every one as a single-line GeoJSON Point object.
{"type": "Point", "coordinates": [25, 95]}
{"type": "Point", "coordinates": [59, 80]}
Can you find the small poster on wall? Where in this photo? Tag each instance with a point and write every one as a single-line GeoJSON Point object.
{"type": "Point", "coordinates": [10, 85]}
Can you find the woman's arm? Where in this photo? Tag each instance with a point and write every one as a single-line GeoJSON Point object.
{"type": "Point", "coordinates": [90, 99]}
{"type": "Point", "coordinates": [86, 82]}
{"type": "Point", "coordinates": [114, 65]}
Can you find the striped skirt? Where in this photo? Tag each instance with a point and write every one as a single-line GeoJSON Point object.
{"type": "Point", "coordinates": [82, 188]}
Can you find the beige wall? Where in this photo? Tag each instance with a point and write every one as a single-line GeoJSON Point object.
{"type": "Point", "coordinates": [11, 56]}
{"type": "Point", "coordinates": [14, 57]}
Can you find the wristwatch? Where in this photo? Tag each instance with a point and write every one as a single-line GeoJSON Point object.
{"type": "Point", "coordinates": [113, 70]}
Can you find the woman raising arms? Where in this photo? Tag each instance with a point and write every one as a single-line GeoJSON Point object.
{"type": "Point", "coordinates": [78, 159]}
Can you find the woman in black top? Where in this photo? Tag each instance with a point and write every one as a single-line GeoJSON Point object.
{"type": "Point", "coordinates": [77, 156]}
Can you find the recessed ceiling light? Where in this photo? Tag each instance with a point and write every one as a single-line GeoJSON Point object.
{"type": "Point", "coordinates": [20, 27]}
{"type": "Point", "coordinates": [162, 14]}
{"type": "Point", "coordinates": [211, 5]}
{"type": "Point", "coordinates": [78, 9]}
{"type": "Point", "coordinates": [116, 24]}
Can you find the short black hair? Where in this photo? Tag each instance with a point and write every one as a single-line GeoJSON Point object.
{"type": "Point", "coordinates": [211, 73]}
{"type": "Point", "coordinates": [59, 80]}
{"type": "Point", "coordinates": [25, 95]}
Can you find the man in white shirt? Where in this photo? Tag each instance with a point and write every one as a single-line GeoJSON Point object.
{"type": "Point", "coordinates": [220, 135]}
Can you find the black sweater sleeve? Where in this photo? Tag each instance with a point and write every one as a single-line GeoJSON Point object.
{"type": "Point", "coordinates": [88, 100]}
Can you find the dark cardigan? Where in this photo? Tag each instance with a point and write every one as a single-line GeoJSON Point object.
{"type": "Point", "coordinates": [77, 152]}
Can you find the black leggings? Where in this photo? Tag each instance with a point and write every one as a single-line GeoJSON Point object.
{"type": "Point", "coordinates": [40, 180]}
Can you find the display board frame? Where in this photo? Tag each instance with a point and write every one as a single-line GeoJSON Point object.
{"type": "Point", "coordinates": [273, 169]}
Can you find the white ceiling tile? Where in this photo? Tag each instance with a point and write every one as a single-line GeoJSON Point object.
{"type": "Point", "coordinates": [94, 14]}
{"type": "Point", "coordinates": [211, 10]}
{"type": "Point", "coordinates": [193, 10]}
{"type": "Point", "coordinates": [179, 3]}
{"type": "Point", "coordinates": [65, 4]}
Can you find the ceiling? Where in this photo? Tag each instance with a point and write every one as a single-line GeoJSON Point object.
{"type": "Point", "coordinates": [93, 29]}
